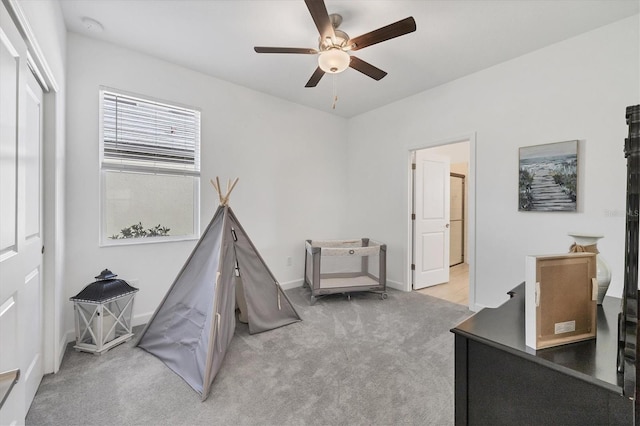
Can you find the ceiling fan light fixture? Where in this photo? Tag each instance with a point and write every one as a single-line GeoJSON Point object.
{"type": "Point", "coordinates": [333, 61]}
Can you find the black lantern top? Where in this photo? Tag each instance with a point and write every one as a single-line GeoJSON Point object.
{"type": "Point", "coordinates": [104, 289]}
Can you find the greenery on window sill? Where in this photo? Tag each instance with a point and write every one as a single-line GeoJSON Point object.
{"type": "Point", "coordinates": [138, 231]}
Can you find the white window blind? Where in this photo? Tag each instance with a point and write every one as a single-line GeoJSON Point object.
{"type": "Point", "coordinates": [147, 136]}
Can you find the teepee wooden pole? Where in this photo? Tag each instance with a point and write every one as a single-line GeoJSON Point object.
{"type": "Point", "coordinates": [230, 188]}
{"type": "Point", "coordinates": [224, 199]}
{"type": "Point", "coordinates": [217, 190]}
{"type": "Point", "coordinates": [233, 185]}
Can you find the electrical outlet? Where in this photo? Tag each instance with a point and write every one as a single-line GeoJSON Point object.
{"type": "Point", "coordinates": [289, 262]}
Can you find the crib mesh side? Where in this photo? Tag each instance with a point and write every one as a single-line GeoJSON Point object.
{"type": "Point", "coordinates": [345, 265]}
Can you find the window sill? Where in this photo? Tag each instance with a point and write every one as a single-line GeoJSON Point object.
{"type": "Point", "coordinates": [145, 240]}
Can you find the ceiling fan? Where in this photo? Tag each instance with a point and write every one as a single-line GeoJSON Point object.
{"type": "Point", "coordinates": [335, 44]}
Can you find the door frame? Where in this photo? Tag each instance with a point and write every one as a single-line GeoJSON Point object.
{"type": "Point", "coordinates": [464, 218]}
{"type": "Point", "coordinates": [471, 210]}
{"type": "Point", "coordinates": [54, 341]}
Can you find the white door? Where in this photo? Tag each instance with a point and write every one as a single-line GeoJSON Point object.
{"type": "Point", "coordinates": [431, 225]}
{"type": "Point", "coordinates": [20, 222]}
{"type": "Point", "coordinates": [31, 295]}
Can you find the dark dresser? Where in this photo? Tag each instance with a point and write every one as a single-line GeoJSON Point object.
{"type": "Point", "coordinates": [500, 381]}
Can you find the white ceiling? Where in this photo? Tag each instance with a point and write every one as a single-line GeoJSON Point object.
{"type": "Point", "coordinates": [454, 38]}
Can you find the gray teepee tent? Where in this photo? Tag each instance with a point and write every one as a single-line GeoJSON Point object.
{"type": "Point", "coordinates": [195, 322]}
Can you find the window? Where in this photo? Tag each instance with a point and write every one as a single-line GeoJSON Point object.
{"type": "Point", "coordinates": [150, 167]}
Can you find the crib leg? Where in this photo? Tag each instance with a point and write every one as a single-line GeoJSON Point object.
{"type": "Point", "coordinates": [313, 300]}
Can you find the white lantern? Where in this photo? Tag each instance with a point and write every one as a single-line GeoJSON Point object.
{"type": "Point", "coordinates": [103, 314]}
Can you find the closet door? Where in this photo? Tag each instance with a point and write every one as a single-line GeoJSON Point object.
{"type": "Point", "coordinates": [21, 301]}
{"type": "Point", "coordinates": [456, 246]}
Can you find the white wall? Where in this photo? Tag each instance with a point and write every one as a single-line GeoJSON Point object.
{"type": "Point", "coordinates": [45, 20]}
{"type": "Point", "coordinates": [291, 162]}
{"type": "Point", "coordinates": [457, 152]}
{"type": "Point", "coordinates": [576, 89]}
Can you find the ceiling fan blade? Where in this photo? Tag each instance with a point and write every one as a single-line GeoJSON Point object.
{"type": "Point", "coordinates": [366, 68]}
{"type": "Point", "coordinates": [302, 50]}
{"type": "Point", "coordinates": [315, 78]}
{"type": "Point", "coordinates": [397, 29]}
{"type": "Point", "coordinates": [320, 16]}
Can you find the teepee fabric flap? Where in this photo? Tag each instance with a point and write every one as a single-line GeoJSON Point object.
{"type": "Point", "coordinates": [267, 305]}
{"type": "Point", "coordinates": [178, 333]}
{"type": "Point", "coordinates": [224, 320]}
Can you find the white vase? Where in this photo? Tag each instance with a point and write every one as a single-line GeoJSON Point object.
{"type": "Point", "coordinates": [603, 274]}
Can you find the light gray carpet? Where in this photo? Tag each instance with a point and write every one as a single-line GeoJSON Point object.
{"type": "Point", "coordinates": [360, 362]}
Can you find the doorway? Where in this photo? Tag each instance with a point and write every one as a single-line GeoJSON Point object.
{"type": "Point", "coordinates": [459, 191]}
{"type": "Point", "coordinates": [457, 228]}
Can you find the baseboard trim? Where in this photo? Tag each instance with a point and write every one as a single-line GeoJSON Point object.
{"type": "Point", "coordinates": [70, 335]}
{"type": "Point", "coordinates": [141, 319]}
{"type": "Point", "coordinates": [292, 284]}
{"type": "Point", "coordinates": [475, 307]}
{"type": "Point", "coordinates": [300, 282]}
{"type": "Point", "coordinates": [62, 348]}
{"type": "Point", "coordinates": [396, 285]}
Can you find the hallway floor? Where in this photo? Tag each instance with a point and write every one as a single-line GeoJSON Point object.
{"type": "Point", "coordinates": [456, 290]}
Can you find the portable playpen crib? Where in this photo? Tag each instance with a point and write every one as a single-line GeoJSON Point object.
{"type": "Point", "coordinates": [345, 266]}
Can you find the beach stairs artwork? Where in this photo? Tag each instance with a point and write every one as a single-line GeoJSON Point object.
{"type": "Point", "coordinates": [548, 177]}
{"type": "Point", "coordinates": [548, 195]}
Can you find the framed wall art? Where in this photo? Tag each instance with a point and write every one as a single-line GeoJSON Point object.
{"type": "Point", "coordinates": [549, 177]}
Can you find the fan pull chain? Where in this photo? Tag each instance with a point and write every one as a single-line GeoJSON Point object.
{"type": "Point", "coordinates": [335, 92]}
